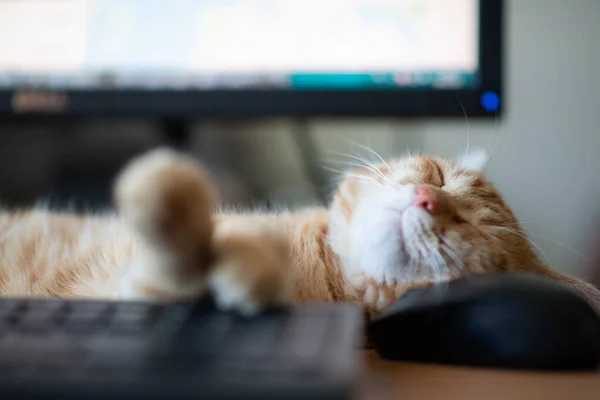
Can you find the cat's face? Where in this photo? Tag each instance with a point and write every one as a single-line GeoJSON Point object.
{"type": "Point", "coordinates": [424, 219]}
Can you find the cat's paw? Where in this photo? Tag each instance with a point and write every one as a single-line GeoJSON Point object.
{"type": "Point", "coordinates": [168, 201]}
{"type": "Point", "coordinates": [251, 267]}
{"type": "Point", "coordinates": [167, 197]}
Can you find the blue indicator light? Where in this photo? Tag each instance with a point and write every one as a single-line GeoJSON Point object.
{"type": "Point", "coordinates": [490, 101]}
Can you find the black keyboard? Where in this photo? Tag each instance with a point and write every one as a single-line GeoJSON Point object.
{"type": "Point", "coordinates": [128, 350]}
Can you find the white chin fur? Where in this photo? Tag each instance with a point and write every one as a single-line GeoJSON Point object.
{"type": "Point", "coordinates": [376, 237]}
{"type": "Point", "coordinates": [389, 239]}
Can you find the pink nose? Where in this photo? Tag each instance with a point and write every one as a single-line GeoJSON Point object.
{"type": "Point", "coordinates": [425, 198]}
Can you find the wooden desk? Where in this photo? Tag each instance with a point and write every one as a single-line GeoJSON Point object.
{"type": "Point", "coordinates": [394, 380]}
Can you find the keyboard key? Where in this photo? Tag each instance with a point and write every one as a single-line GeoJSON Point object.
{"type": "Point", "coordinates": [37, 322]}
{"type": "Point", "coordinates": [130, 327]}
{"type": "Point", "coordinates": [177, 314]}
{"type": "Point", "coordinates": [132, 321]}
{"type": "Point", "coordinates": [130, 315]}
{"type": "Point", "coordinates": [84, 319]}
{"type": "Point", "coordinates": [303, 341]}
{"type": "Point", "coordinates": [9, 319]}
{"type": "Point", "coordinates": [116, 352]}
{"type": "Point", "coordinates": [86, 323]}
{"type": "Point", "coordinates": [257, 339]}
{"type": "Point", "coordinates": [9, 304]}
{"type": "Point", "coordinates": [49, 305]}
{"type": "Point", "coordinates": [134, 308]}
{"type": "Point", "coordinates": [90, 308]}
{"type": "Point", "coordinates": [14, 346]}
{"type": "Point", "coordinates": [211, 332]}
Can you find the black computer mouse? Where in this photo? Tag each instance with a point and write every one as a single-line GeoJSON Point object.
{"type": "Point", "coordinates": [502, 320]}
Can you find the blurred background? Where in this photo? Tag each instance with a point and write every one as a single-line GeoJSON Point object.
{"type": "Point", "coordinates": [545, 140]}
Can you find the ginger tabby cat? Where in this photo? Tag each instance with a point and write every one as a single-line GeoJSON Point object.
{"type": "Point", "coordinates": [411, 222]}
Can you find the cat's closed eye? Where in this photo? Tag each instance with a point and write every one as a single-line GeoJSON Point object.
{"type": "Point", "coordinates": [440, 176]}
{"type": "Point", "coordinates": [458, 219]}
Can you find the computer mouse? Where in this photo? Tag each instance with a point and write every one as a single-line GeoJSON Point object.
{"type": "Point", "coordinates": [502, 320]}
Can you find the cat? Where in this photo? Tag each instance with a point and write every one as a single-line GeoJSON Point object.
{"type": "Point", "coordinates": [410, 222]}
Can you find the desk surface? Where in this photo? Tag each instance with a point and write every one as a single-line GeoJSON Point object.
{"type": "Point", "coordinates": [394, 380]}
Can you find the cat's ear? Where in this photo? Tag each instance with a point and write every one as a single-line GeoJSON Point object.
{"type": "Point", "coordinates": [474, 160]}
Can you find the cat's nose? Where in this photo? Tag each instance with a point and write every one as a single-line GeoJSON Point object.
{"type": "Point", "coordinates": [425, 198]}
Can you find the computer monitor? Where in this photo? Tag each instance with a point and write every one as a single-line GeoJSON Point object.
{"type": "Point", "coordinates": [190, 58]}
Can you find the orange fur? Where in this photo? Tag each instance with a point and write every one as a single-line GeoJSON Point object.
{"type": "Point", "coordinates": [370, 246]}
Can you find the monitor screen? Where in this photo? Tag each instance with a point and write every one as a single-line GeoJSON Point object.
{"type": "Point", "coordinates": [240, 45]}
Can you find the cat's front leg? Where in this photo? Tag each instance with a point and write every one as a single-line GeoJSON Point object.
{"type": "Point", "coordinates": [167, 201]}
{"type": "Point", "coordinates": [252, 261]}
{"type": "Point", "coordinates": [182, 249]}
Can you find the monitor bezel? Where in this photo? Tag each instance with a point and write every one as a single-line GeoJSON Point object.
{"type": "Point", "coordinates": [299, 103]}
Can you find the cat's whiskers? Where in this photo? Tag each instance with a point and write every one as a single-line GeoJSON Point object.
{"type": "Point", "coordinates": [451, 250]}
{"type": "Point", "coordinates": [365, 179]}
{"type": "Point", "coordinates": [442, 264]}
{"type": "Point", "coordinates": [442, 284]}
{"type": "Point", "coordinates": [523, 222]}
{"type": "Point", "coordinates": [376, 154]}
{"type": "Point", "coordinates": [524, 236]}
{"type": "Point", "coordinates": [448, 252]}
{"type": "Point", "coordinates": [367, 148]}
{"type": "Point", "coordinates": [430, 260]}
{"type": "Point", "coordinates": [468, 129]}
{"type": "Point", "coordinates": [459, 265]}
{"type": "Point", "coordinates": [425, 267]}
{"type": "Point", "coordinates": [500, 134]}
{"type": "Point", "coordinates": [370, 167]}
{"type": "Point", "coordinates": [505, 228]}
{"type": "Point", "coordinates": [362, 163]}
{"type": "Point", "coordinates": [417, 256]}
{"type": "Point", "coordinates": [411, 270]}
{"type": "Point", "coordinates": [358, 177]}
{"type": "Point", "coordinates": [583, 258]}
